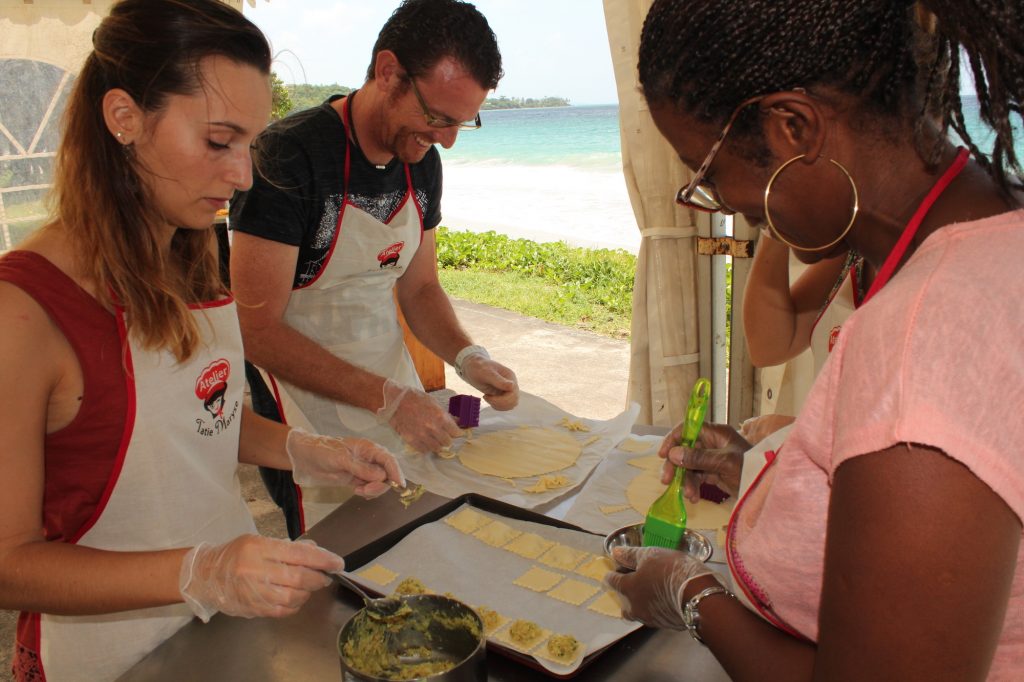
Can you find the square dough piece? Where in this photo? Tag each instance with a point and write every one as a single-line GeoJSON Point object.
{"type": "Point", "coordinates": [497, 534]}
{"type": "Point", "coordinates": [636, 447]}
{"type": "Point", "coordinates": [486, 614]}
{"type": "Point", "coordinates": [378, 574]}
{"type": "Point", "coordinates": [529, 545]}
{"type": "Point", "coordinates": [596, 568]}
{"type": "Point", "coordinates": [542, 652]}
{"type": "Point", "coordinates": [607, 604]}
{"type": "Point", "coordinates": [537, 579]}
{"type": "Point", "coordinates": [466, 520]}
{"type": "Point", "coordinates": [565, 558]}
{"type": "Point", "coordinates": [573, 592]}
{"type": "Point", "coordinates": [503, 637]}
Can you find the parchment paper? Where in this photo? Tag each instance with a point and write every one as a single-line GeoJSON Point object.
{"type": "Point", "coordinates": [607, 487]}
{"type": "Point", "coordinates": [448, 477]}
{"type": "Point", "coordinates": [447, 560]}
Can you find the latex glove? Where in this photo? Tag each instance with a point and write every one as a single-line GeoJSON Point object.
{"type": "Point", "coordinates": [254, 576]}
{"type": "Point", "coordinates": [497, 382]}
{"type": "Point", "coordinates": [355, 462]}
{"type": "Point", "coordinates": [716, 459]}
{"type": "Point", "coordinates": [423, 424]}
{"type": "Point", "coordinates": [756, 429]}
{"type": "Point", "coordinates": [653, 594]}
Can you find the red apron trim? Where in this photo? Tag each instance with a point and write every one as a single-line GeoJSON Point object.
{"type": "Point", "coordinates": [900, 248]}
{"type": "Point", "coordinates": [280, 413]}
{"type": "Point", "coordinates": [755, 595]}
{"type": "Point", "coordinates": [129, 427]}
{"type": "Point", "coordinates": [227, 300]}
{"type": "Point", "coordinates": [27, 664]}
{"type": "Point", "coordinates": [346, 122]}
{"type": "Point", "coordinates": [412, 193]}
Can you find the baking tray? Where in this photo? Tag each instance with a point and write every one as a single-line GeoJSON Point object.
{"type": "Point", "coordinates": [369, 552]}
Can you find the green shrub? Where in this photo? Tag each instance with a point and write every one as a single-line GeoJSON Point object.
{"type": "Point", "coordinates": [604, 277]}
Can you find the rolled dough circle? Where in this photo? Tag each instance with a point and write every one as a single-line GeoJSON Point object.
{"type": "Point", "coordinates": [646, 486]}
{"type": "Point", "coordinates": [520, 453]}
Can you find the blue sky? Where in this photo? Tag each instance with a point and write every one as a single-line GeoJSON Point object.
{"type": "Point", "coordinates": [555, 48]}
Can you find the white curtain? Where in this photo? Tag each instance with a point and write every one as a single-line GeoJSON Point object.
{"type": "Point", "coordinates": [666, 353]}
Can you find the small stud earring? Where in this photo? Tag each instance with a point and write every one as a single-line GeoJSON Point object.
{"type": "Point", "coordinates": [120, 136]}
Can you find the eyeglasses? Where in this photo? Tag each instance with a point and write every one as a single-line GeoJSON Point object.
{"type": "Point", "coordinates": [441, 121]}
{"type": "Point", "coordinates": [700, 195]}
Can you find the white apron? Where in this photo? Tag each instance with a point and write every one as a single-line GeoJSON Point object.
{"type": "Point", "coordinates": [349, 309]}
{"type": "Point", "coordinates": [842, 301]}
{"type": "Point", "coordinates": [174, 485]}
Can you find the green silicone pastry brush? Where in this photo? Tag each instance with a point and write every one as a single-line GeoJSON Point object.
{"type": "Point", "coordinates": [666, 519]}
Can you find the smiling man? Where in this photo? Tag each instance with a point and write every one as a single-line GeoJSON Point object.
{"type": "Point", "coordinates": [340, 217]}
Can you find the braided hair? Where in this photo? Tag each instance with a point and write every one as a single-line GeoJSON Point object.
{"type": "Point", "coordinates": [707, 56]}
{"type": "Point", "coordinates": [991, 35]}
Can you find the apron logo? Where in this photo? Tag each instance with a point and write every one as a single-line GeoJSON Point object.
{"type": "Point", "coordinates": [211, 388]}
{"type": "Point", "coordinates": [833, 336]}
{"type": "Point", "coordinates": [389, 257]}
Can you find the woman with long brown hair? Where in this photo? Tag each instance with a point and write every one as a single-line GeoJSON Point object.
{"type": "Point", "coordinates": [122, 515]}
{"type": "Point", "coordinates": [882, 540]}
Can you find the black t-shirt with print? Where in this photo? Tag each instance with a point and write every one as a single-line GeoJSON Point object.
{"type": "Point", "coordinates": [298, 186]}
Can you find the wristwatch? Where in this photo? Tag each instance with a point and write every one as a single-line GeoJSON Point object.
{"type": "Point", "coordinates": [691, 616]}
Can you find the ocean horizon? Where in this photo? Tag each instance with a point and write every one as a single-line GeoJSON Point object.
{"type": "Point", "coordinates": [555, 174]}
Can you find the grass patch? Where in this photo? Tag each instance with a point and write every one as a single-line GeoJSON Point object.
{"type": "Point", "coordinates": [589, 289]}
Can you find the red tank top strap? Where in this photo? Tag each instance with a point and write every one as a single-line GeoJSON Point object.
{"type": "Point", "coordinates": [80, 456]}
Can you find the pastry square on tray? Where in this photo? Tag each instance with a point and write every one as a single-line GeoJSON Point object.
{"type": "Point", "coordinates": [567, 659]}
{"type": "Point", "coordinates": [607, 604]}
{"type": "Point", "coordinates": [596, 567]}
{"type": "Point", "coordinates": [377, 574]}
{"type": "Point", "coordinates": [573, 592]}
{"type": "Point", "coordinates": [491, 618]}
{"type": "Point", "coordinates": [529, 545]}
{"type": "Point", "coordinates": [563, 557]}
{"type": "Point", "coordinates": [497, 534]}
{"type": "Point", "coordinates": [537, 579]}
{"type": "Point", "coordinates": [467, 520]}
{"type": "Point", "coordinates": [507, 637]}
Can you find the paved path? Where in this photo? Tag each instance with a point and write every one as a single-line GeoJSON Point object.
{"type": "Point", "coordinates": [583, 373]}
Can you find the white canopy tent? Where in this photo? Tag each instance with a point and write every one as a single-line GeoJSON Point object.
{"type": "Point", "coordinates": [679, 322]}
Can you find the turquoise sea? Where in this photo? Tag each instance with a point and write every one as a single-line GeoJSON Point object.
{"type": "Point", "coordinates": [549, 174]}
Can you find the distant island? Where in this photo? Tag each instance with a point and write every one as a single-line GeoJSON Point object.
{"type": "Point", "coordinates": [289, 98]}
{"type": "Point", "coordinates": [523, 102]}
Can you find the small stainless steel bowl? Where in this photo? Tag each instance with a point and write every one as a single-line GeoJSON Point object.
{"type": "Point", "coordinates": [429, 628]}
{"type": "Point", "coordinates": [692, 542]}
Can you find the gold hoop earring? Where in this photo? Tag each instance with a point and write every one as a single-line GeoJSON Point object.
{"type": "Point", "coordinates": [775, 231]}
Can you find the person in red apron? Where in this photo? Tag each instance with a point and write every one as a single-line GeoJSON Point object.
{"type": "Point", "coordinates": [881, 537]}
{"type": "Point", "coordinates": [124, 422]}
{"type": "Point", "coordinates": [336, 234]}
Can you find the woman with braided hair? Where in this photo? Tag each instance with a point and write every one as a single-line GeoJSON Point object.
{"type": "Point", "coordinates": [882, 539]}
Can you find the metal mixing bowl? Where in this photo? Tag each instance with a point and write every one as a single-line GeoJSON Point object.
{"type": "Point", "coordinates": [692, 542]}
{"type": "Point", "coordinates": [428, 628]}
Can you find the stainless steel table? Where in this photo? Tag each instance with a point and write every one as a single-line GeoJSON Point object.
{"type": "Point", "coordinates": [302, 647]}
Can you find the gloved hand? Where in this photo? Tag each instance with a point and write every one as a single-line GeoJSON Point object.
{"type": "Point", "coordinates": [417, 418]}
{"type": "Point", "coordinates": [254, 576]}
{"type": "Point", "coordinates": [653, 594]}
{"type": "Point", "coordinates": [716, 459]}
{"type": "Point", "coordinates": [756, 429]}
{"type": "Point", "coordinates": [355, 462]}
{"type": "Point", "coordinates": [497, 382]}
